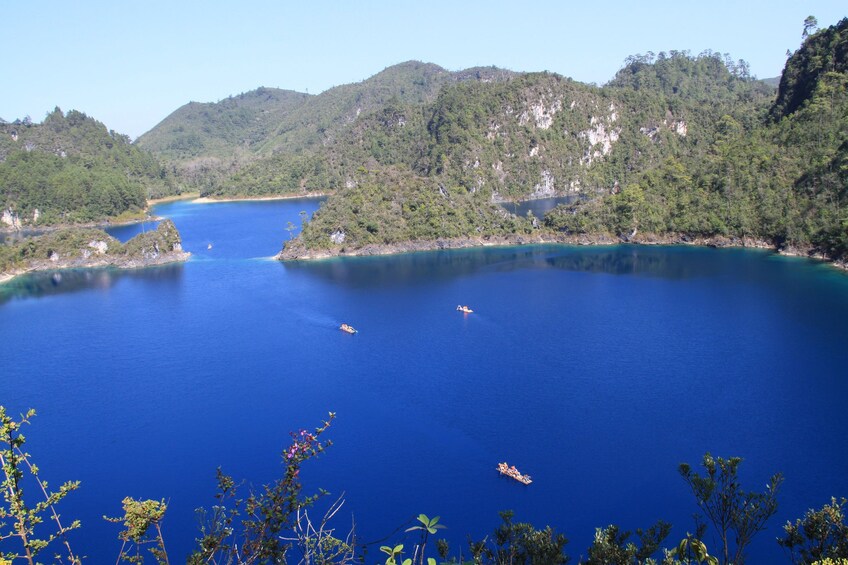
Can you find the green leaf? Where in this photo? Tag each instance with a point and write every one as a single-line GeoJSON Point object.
{"type": "Point", "coordinates": [681, 549]}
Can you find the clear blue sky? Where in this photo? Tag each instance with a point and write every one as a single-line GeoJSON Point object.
{"type": "Point", "coordinates": [131, 63]}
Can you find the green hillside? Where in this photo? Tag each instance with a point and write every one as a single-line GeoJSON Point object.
{"type": "Point", "coordinates": [674, 147]}
{"type": "Point", "coordinates": [821, 53]}
{"type": "Point", "coordinates": [253, 144]}
{"type": "Point", "coordinates": [71, 169]}
{"type": "Point", "coordinates": [89, 247]}
{"type": "Point", "coordinates": [238, 123]}
{"type": "Point", "coordinates": [778, 173]}
{"type": "Point", "coordinates": [530, 136]}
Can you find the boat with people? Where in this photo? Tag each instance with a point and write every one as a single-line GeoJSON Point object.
{"type": "Point", "coordinates": [513, 473]}
{"type": "Point", "coordinates": [347, 328]}
{"type": "Point", "coordinates": [464, 309]}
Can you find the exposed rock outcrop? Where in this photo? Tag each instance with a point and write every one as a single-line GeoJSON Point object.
{"type": "Point", "coordinates": [88, 248]}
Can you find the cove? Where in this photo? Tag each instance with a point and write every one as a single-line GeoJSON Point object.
{"type": "Point", "coordinates": [595, 370]}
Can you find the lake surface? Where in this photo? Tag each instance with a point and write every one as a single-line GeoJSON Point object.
{"type": "Point", "coordinates": [539, 207]}
{"type": "Point", "coordinates": [595, 370]}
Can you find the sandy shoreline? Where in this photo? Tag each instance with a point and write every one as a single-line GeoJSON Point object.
{"type": "Point", "coordinates": [210, 200]}
{"type": "Point", "coordinates": [174, 198]}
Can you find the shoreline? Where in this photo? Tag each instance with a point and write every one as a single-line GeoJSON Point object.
{"type": "Point", "coordinates": [212, 200]}
{"type": "Point", "coordinates": [193, 197]}
{"type": "Point", "coordinates": [174, 198]}
{"type": "Point", "coordinates": [716, 242]}
{"type": "Point", "coordinates": [101, 225]}
{"type": "Point", "coordinates": [118, 262]}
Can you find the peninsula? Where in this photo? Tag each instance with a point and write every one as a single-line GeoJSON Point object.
{"type": "Point", "coordinates": [675, 149]}
{"type": "Point", "coordinates": [69, 248]}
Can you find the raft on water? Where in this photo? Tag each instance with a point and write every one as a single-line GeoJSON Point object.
{"type": "Point", "coordinates": [513, 473]}
{"type": "Point", "coordinates": [347, 328]}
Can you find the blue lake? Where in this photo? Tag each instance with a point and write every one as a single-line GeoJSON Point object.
{"type": "Point", "coordinates": [595, 370]}
{"type": "Point", "coordinates": [539, 207]}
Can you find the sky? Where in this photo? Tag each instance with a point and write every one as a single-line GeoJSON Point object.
{"type": "Point", "coordinates": [130, 63]}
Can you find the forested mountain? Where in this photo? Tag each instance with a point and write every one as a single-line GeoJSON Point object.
{"type": "Point", "coordinates": [268, 132]}
{"type": "Point", "coordinates": [238, 123]}
{"type": "Point", "coordinates": [71, 169]}
{"type": "Point", "coordinates": [675, 147]}
{"type": "Point", "coordinates": [531, 135]}
{"type": "Point", "coordinates": [822, 53]}
{"type": "Point", "coordinates": [778, 174]}
{"type": "Point", "coordinates": [519, 136]}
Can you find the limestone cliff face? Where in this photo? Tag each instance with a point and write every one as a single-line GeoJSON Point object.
{"type": "Point", "coordinates": [541, 135]}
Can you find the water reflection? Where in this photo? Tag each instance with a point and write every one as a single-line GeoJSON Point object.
{"type": "Point", "coordinates": [539, 207]}
{"type": "Point", "coordinates": [20, 235]}
{"type": "Point", "coordinates": [36, 285]}
{"type": "Point", "coordinates": [122, 232]}
{"type": "Point", "coordinates": [425, 267]}
{"type": "Point", "coordinates": [126, 232]}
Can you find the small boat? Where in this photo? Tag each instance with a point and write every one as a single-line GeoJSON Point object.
{"type": "Point", "coordinates": [513, 473]}
{"type": "Point", "coordinates": [464, 309]}
{"type": "Point", "coordinates": [347, 328]}
{"type": "Point", "coordinates": [209, 246]}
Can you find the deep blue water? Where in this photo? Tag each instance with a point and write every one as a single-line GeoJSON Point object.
{"type": "Point", "coordinates": [596, 370]}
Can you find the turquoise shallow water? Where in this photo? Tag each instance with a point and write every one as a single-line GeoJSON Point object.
{"type": "Point", "coordinates": [596, 370]}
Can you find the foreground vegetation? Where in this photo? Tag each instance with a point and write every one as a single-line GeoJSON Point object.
{"type": "Point", "coordinates": [272, 524]}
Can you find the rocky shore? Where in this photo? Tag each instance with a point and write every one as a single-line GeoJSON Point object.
{"type": "Point", "coordinates": [294, 250]}
{"type": "Point", "coordinates": [88, 248]}
{"type": "Point", "coordinates": [294, 196]}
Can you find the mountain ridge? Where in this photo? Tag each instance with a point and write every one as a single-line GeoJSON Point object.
{"type": "Point", "coordinates": [674, 144]}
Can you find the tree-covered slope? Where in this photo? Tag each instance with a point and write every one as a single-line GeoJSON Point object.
{"type": "Point", "coordinates": [821, 53]}
{"type": "Point", "coordinates": [415, 209]}
{"type": "Point", "coordinates": [218, 129]}
{"type": "Point", "coordinates": [290, 140]}
{"type": "Point", "coordinates": [71, 169]}
{"type": "Point", "coordinates": [534, 135]}
{"type": "Point", "coordinates": [675, 145]}
{"type": "Point", "coordinates": [780, 177]}
{"type": "Point", "coordinates": [516, 137]}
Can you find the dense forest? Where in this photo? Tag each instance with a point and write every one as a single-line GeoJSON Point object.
{"type": "Point", "coordinates": [675, 147]}
{"type": "Point", "coordinates": [775, 172]}
{"type": "Point", "coordinates": [265, 141]}
{"type": "Point", "coordinates": [70, 169]}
